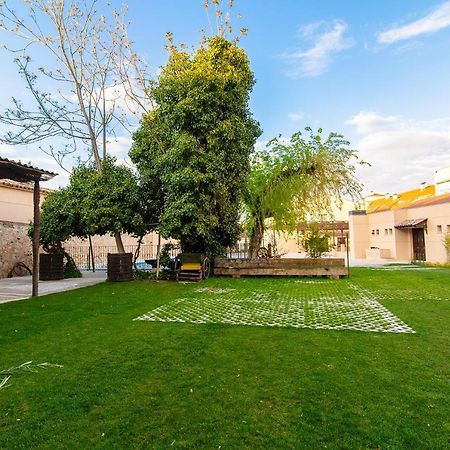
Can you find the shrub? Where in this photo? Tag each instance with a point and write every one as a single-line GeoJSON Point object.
{"type": "Point", "coordinates": [446, 242]}
{"type": "Point", "coordinates": [316, 242]}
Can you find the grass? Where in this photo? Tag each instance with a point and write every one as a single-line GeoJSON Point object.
{"type": "Point", "coordinates": [132, 384]}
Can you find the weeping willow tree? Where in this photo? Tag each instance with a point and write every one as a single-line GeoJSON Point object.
{"type": "Point", "coordinates": [290, 182]}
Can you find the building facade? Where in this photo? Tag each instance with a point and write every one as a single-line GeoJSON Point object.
{"type": "Point", "coordinates": [410, 226]}
{"type": "Point", "coordinates": [16, 213]}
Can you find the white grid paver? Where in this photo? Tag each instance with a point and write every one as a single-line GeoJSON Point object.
{"type": "Point", "coordinates": [300, 304]}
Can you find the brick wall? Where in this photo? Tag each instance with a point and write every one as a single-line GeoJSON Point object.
{"type": "Point", "coordinates": [15, 246]}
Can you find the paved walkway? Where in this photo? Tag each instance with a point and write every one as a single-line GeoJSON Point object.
{"type": "Point", "coordinates": [19, 288]}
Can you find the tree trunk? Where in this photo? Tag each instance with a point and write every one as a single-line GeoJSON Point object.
{"type": "Point", "coordinates": [256, 238]}
{"type": "Point", "coordinates": [119, 243]}
{"type": "Point", "coordinates": [91, 253]}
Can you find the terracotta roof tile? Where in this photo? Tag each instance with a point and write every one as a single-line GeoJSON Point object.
{"type": "Point", "coordinates": [407, 199]}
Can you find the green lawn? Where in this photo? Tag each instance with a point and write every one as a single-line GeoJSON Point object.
{"type": "Point", "coordinates": [249, 363]}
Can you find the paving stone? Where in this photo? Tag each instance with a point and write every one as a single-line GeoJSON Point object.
{"type": "Point", "coordinates": [301, 304]}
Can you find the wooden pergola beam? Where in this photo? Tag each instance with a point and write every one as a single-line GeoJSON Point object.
{"type": "Point", "coordinates": [36, 237]}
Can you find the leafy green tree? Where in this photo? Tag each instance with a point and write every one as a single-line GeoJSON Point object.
{"type": "Point", "coordinates": [292, 181]}
{"type": "Point", "coordinates": [110, 200]}
{"type": "Point", "coordinates": [107, 202]}
{"type": "Point", "coordinates": [192, 150]}
{"type": "Point", "coordinates": [316, 242]}
{"type": "Point", "coordinates": [61, 218]}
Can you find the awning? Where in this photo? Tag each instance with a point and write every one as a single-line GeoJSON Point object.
{"type": "Point", "coordinates": [17, 171]}
{"type": "Point", "coordinates": [412, 223]}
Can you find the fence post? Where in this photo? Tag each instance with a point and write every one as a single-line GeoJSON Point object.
{"type": "Point", "coordinates": [158, 254]}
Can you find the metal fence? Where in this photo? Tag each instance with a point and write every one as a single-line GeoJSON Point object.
{"type": "Point", "coordinates": [80, 254]}
{"type": "Point", "coordinates": [239, 251]}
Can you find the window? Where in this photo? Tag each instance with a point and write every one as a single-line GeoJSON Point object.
{"type": "Point", "coordinates": [390, 230]}
{"type": "Point", "coordinates": [439, 229]}
{"type": "Point", "coordinates": [378, 232]}
{"type": "Point", "coordinates": [448, 228]}
{"type": "Point", "coordinates": [386, 231]}
{"type": "Point", "coordinates": [373, 231]}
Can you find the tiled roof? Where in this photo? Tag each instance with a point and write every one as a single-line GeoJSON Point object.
{"type": "Point", "coordinates": [23, 172]}
{"type": "Point", "coordinates": [23, 186]}
{"type": "Point", "coordinates": [408, 199]}
{"type": "Point", "coordinates": [412, 223]}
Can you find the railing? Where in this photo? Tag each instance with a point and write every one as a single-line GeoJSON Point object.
{"type": "Point", "coordinates": [240, 251]}
{"type": "Point", "coordinates": [80, 254]}
{"type": "Point", "coordinates": [82, 259]}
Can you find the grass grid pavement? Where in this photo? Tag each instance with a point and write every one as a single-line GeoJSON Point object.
{"type": "Point", "coordinates": [297, 303]}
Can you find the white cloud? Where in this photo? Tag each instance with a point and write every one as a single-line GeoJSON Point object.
{"type": "Point", "coordinates": [7, 150]}
{"type": "Point", "coordinates": [401, 153]}
{"type": "Point", "coordinates": [368, 122]}
{"type": "Point", "coordinates": [119, 146]}
{"type": "Point", "coordinates": [297, 116]}
{"type": "Point", "coordinates": [435, 21]}
{"type": "Point", "coordinates": [327, 39]}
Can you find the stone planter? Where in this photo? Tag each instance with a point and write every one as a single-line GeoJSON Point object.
{"type": "Point", "coordinates": [51, 266]}
{"type": "Point", "coordinates": [120, 266]}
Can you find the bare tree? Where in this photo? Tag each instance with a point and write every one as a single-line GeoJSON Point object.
{"type": "Point", "coordinates": [75, 99]}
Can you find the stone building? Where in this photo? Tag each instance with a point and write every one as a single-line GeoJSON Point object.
{"type": "Point", "coordinates": [16, 213]}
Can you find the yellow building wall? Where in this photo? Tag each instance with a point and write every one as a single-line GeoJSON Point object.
{"type": "Point", "coordinates": [359, 239]}
{"type": "Point", "coordinates": [373, 230]}
{"type": "Point", "coordinates": [16, 205]}
{"type": "Point", "coordinates": [438, 215]}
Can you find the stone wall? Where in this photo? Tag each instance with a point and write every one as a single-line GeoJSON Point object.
{"type": "Point", "coordinates": [15, 246]}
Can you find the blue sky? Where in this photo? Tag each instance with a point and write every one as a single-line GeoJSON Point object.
{"type": "Point", "coordinates": [377, 71]}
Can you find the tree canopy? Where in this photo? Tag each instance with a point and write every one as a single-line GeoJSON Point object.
{"type": "Point", "coordinates": [291, 181]}
{"type": "Point", "coordinates": [61, 218]}
{"type": "Point", "coordinates": [94, 203]}
{"type": "Point", "coordinates": [110, 199]}
{"type": "Point", "coordinates": [193, 149]}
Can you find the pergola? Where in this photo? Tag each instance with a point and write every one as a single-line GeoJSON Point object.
{"type": "Point", "coordinates": [16, 171]}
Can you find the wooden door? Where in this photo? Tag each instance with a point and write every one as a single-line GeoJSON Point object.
{"type": "Point", "coordinates": [418, 236]}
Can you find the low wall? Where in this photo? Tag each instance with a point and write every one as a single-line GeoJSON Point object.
{"type": "Point", "coordinates": [330, 267]}
{"type": "Point", "coordinates": [15, 246]}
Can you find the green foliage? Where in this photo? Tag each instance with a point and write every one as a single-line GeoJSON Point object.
{"type": "Point", "coordinates": [165, 259]}
{"type": "Point", "coordinates": [110, 200]}
{"type": "Point", "coordinates": [297, 180]}
{"type": "Point", "coordinates": [71, 270]}
{"type": "Point", "coordinates": [316, 242]}
{"type": "Point", "coordinates": [143, 275]}
{"type": "Point", "coordinates": [446, 242]}
{"type": "Point", "coordinates": [193, 149]}
{"type": "Point", "coordinates": [61, 218]}
{"type": "Point", "coordinates": [93, 203]}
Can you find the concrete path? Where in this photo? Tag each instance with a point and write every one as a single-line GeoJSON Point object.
{"type": "Point", "coordinates": [19, 288]}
